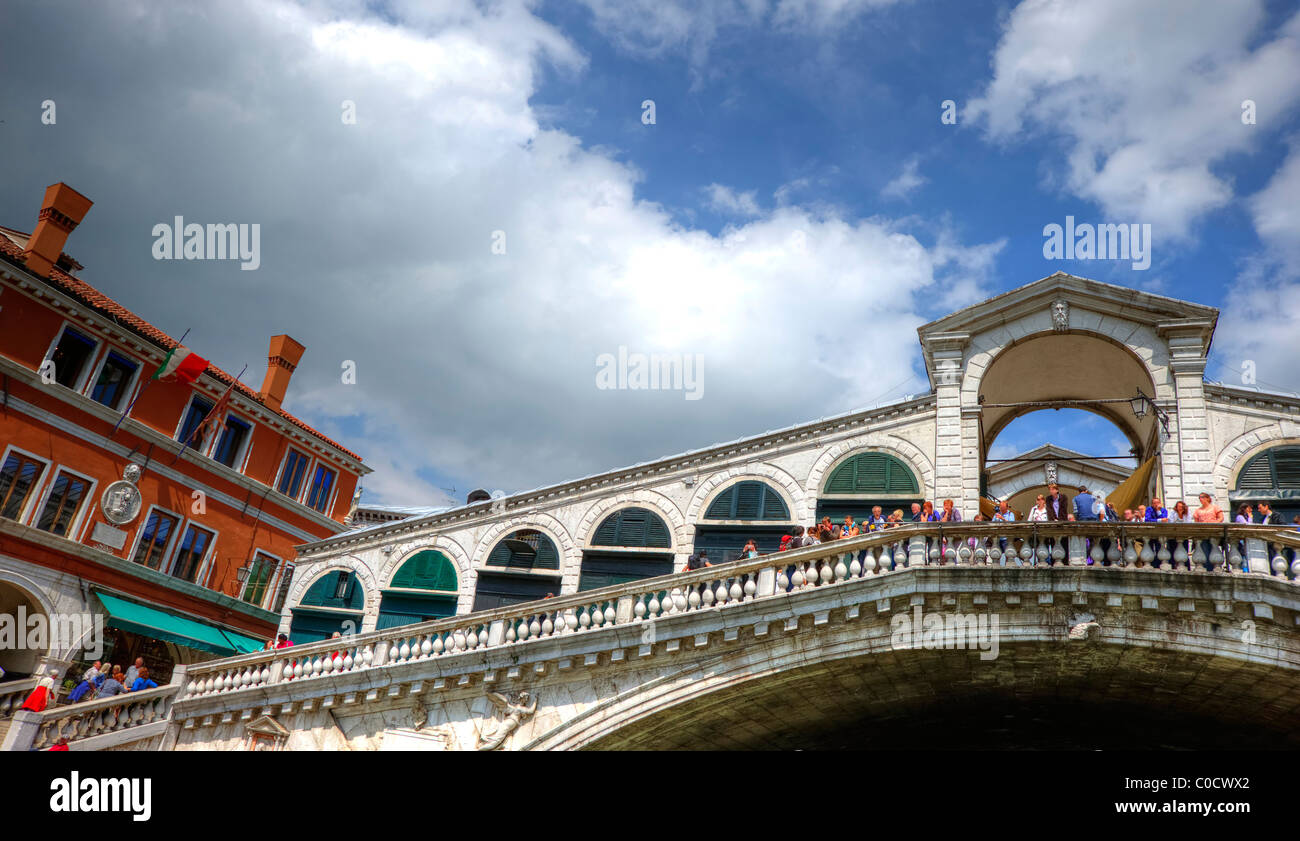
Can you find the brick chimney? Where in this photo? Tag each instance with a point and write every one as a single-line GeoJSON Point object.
{"type": "Point", "coordinates": [61, 211]}
{"type": "Point", "coordinates": [281, 360]}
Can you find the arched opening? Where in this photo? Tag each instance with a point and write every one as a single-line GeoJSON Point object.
{"type": "Point", "coordinates": [745, 510]}
{"type": "Point", "coordinates": [862, 482]}
{"type": "Point", "coordinates": [1072, 378]}
{"type": "Point", "coordinates": [1071, 369]}
{"type": "Point", "coordinates": [1065, 444]}
{"type": "Point", "coordinates": [523, 566]}
{"type": "Point", "coordinates": [333, 602]}
{"type": "Point", "coordinates": [424, 587]}
{"type": "Point", "coordinates": [629, 544]}
{"type": "Point", "coordinates": [1273, 477]}
{"type": "Point", "coordinates": [17, 604]}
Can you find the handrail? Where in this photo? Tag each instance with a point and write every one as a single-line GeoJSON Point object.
{"type": "Point", "coordinates": [915, 544]}
{"type": "Point", "coordinates": [84, 719]}
{"type": "Point", "coordinates": [13, 693]}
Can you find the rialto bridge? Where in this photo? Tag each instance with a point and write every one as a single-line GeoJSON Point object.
{"type": "Point", "coordinates": [917, 634]}
{"type": "Point", "coordinates": [788, 664]}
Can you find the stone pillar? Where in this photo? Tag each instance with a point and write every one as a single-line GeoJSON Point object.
{"type": "Point", "coordinates": [956, 444]}
{"type": "Point", "coordinates": [1188, 341]}
{"type": "Point", "coordinates": [22, 731]}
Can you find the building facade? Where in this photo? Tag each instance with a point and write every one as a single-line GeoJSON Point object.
{"type": "Point", "coordinates": [987, 364]}
{"type": "Point", "coordinates": [185, 550]}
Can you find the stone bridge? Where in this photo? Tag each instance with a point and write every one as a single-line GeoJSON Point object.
{"type": "Point", "coordinates": [1073, 635]}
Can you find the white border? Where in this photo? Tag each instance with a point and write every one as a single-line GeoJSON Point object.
{"type": "Point", "coordinates": [84, 376]}
{"type": "Point", "coordinates": [165, 562]}
{"type": "Point", "coordinates": [76, 528]}
{"type": "Point", "coordinates": [38, 486]}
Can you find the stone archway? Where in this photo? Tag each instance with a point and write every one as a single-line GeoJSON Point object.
{"type": "Point", "coordinates": [21, 598]}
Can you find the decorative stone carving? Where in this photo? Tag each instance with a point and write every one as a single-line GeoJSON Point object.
{"type": "Point", "coordinates": [419, 715]}
{"type": "Point", "coordinates": [265, 733]}
{"type": "Point", "coordinates": [121, 500]}
{"type": "Point", "coordinates": [1049, 469]}
{"type": "Point", "coordinates": [514, 713]}
{"type": "Point", "coordinates": [1084, 626]}
{"type": "Point", "coordinates": [1060, 315]}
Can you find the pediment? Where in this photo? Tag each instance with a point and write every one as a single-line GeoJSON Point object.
{"type": "Point", "coordinates": [1084, 293]}
{"type": "Point", "coordinates": [266, 726]}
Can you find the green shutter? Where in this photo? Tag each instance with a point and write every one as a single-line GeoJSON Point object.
{"type": "Point", "coordinates": [748, 500]}
{"type": "Point", "coordinates": [872, 473]}
{"type": "Point", "coordinates": [1286, 467]}
{"type": "Point", "coordinates": [427, 570]}
{"type": "Point", "coordinates": [321, 593]}
{"type": "Point", "coordinates": [637, 527]}
{"type": "Point", "coordinates": [544, 555]}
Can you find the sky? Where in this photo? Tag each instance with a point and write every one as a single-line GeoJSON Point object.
{"type": "Point", "coordinates": [468, 209]}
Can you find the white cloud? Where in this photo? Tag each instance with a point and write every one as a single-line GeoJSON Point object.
{"type": "Point", "coordinates": [1147, 98]}
{"type": "Point", "coordinates": [905, 182]}
{"type": "Point", "coordinates": [726, 200]}
{"type": "Point", "coordinates": [377, 243]}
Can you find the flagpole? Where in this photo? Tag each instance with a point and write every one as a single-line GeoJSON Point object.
{"type": "Point", "coordinates": [186, 445]}
{"type": "Point", "coordinates": [140, 393]}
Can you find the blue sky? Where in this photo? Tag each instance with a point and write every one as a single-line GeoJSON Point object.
{"type": "Point", "coordinates": [775, 119]}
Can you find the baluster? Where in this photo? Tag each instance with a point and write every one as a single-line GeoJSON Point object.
{"type": "Point", "coordinates": [734, 592]}
{"type": "Point", "coordinates": [855, 566]}
{"type": "Point", "coordinates": [1279, 565]}
{"type": "Point", "coordinates": [869, 564]}
{"type": "Point", "coordinates": [693, 599]}
{"type": "Point", "coordinates": [841, 570]}
{"type": "Point", "coordinates": [639, 607]}
{"type": "Point", "coordinates": [963, 554]}
{"type": "Point", "coordinates": [1148, 556]}
{"type": "Point", "coordinates": [1181, 558]}
{"type": "Point", "coordinates": [1216, 556]}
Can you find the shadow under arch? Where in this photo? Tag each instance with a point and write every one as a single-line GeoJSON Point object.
{"type": "Point", "coordinates": [1062, 366]}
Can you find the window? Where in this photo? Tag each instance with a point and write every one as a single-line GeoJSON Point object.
{"type": "Point", "coordinates": [17, 478]}
{"type": "Point", "coordinates": [295, 467]}
{"type": "Point", "coordinates": [157, 533]}
{"type": "Point", "coordinates": [525, 549]}
{"type": "Point", "coordinates": [194, 416]}
{"type": "Point", "coordinates": [62, 505]}
{"type": "Point", "coordinates": [748, 500]}
{"type": "Point", "coordinates": [114, 379]}
{"type": "Point", "coordinates": [259, 578]}
{"type": "Point", "coordinates": [322, 482]}
{"type": "Point", "coordinates": [70, 356]}
{"type": "Point", "coordinates": [282, 591]}
{"type": "Point", "coordinates": [424, 588]}
{"type": "Point", "coordinates": [231, 442]}
{"type": "Point", "coordinates": [194, 547]}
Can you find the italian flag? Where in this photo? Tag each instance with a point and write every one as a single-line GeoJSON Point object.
{"type": "Point", "coordinates": [182, 364]}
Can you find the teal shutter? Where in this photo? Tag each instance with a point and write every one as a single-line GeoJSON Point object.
{"type": "Point", "coordinates": [427, 570]}
{"type": "Point", "coordinates": [872, 473]}
{"type": "Point", "coordinates": [750, 500]}
{"type": "Point", "coordinates": [323, 592]}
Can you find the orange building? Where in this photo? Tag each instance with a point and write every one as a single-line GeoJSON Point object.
{"type": "Point", "coordinates": [184, 557]}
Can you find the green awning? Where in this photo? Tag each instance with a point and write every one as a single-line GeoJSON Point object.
{"type": "Point", "coordinates": [172, 627]}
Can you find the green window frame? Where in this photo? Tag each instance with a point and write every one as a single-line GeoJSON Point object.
{"type": "Point", "coordinates": [878, 474]}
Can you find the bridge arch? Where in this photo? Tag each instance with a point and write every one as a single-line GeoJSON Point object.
{"type": "Point", "coordinates": [1077, 364]}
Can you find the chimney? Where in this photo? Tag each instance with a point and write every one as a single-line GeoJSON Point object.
{"type": "Point", "coordinates": [281, 360]}
{"type": "Point", "coordinates": [61, 211]}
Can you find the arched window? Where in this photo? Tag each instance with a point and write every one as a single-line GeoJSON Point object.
{"type": "Point", "coordinates": [748, 500]}
{"type": "Point", "coordinates": [637, 527]}
{"type": "Point", "coordinates": [861, 482]}
{"type": "Point", "coordinates": [516, 559]}
{"type": "Point", "coordinates": [334, 602]}
{"type": "Point", "coordinates": [758, 503]}
{"type": "Point", "coordinates": [525, 549]}
{"type": "Point", "coordinates": [1272, 476]}
{"type": "Point", "coordinates": [424, 587]}
{"type": "Point", "coordinates": [628, 533]}
{"type": "Point", "coordinates": [876, 474]}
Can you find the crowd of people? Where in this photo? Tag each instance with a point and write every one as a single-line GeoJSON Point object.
{"type": "Point", "coordinates": [1053, 506]}
{"type": "Point", "coordinates": [98, 681]}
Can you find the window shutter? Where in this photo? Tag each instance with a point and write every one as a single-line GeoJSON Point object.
{"type": "Point", "coordinates": [723, 505]}
{"type": "Point", "coordinates": [1286, 467]}
{"type": "Point", "coordinates": [749, 499]}
{"type": "Point", "coordinates": [1256, 475]}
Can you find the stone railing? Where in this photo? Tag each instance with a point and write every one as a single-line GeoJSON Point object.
{"type": "Point", "coordinates": [101, 716]}
{"type": "Point", "coordinates": [1156, 549]}
{"type": "Point", "coordinates": [13, 693]}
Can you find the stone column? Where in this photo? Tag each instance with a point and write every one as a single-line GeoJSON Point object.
{"type": "Point", "coordinates": [956, 445]}
{"type": "Point", "coordinates": [1189, 431]}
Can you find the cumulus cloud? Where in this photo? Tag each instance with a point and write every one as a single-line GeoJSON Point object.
{"type": "Point", "coordinates": [1145, 98]}
{"type": "Point", "coordinates": [380, 240]}
{"type": "Point", "coordinates": [728, 201]}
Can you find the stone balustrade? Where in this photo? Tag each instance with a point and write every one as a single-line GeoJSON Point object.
{"type": "Point", "coordinates": [104, 715]}
{"type": "Point", "coordinates": [1156, 549]}
{"type": "Point", "coordinates": [12, 695]}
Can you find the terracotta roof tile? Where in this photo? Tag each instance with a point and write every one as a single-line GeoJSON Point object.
{"type": "Point", "coordinates": [101, 303]}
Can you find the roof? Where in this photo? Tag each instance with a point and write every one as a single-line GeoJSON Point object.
{"type": "Point", "coordinates": [91, 297]}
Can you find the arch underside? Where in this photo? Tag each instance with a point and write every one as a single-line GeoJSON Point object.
{"type": "Point", "coordinates": [1067, 696]}
{"type": "Point", "coordinates": [1066, 366]}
